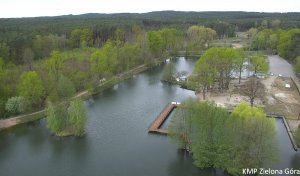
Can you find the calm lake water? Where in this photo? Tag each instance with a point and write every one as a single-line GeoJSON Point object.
{"type": "Point", "coordinates": [117, 142]}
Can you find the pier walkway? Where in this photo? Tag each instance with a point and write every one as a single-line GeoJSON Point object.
{"type": "Point", "coordinates": [161, 118]}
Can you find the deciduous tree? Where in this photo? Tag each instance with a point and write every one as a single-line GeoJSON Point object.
{"type": "Point", "coordinates": [56, 117]}
{"type": "Point", "coordinates": [252, 138]}
{"type": "Point", "coordinates": [15, 105]}
{"type": "Point", "coordinates": [155, 43]}
{"type": "Point", "coordinates": [31, 88]}
{"type": "Point", "coordinates": [28, 56]}
{"type": "Point", "coordinates": [168, 72]}
{"type": "Point", "coordinates": [77, 116]}
{"type": "Point", "coordinates": [259, 64]}
{"type": "Point", "coordinates": [253, 88]}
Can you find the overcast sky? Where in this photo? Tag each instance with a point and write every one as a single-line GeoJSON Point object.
{"type": "Point", "coordinates": [32, 8]}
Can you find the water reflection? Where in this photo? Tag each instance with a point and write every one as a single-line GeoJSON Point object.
{"type": "Point", "coordinates": [117, 142]}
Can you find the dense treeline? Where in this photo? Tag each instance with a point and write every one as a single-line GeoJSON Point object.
{"type": "Point", "coordinates": [50, 71]}
{"type": "Point", "coordinates": [284, 42]}
{"type": "Point", "coordinates": [35, 34]}
{"type": "Point", "coordinates": [243, 139]}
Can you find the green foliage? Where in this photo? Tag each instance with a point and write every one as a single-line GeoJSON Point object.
{"type": "Point", "coordinates": [155, 43]}
{"type": "Point", "coordinates": [264, 24]}
{"type": "Point", "coordinates": [56, 117]}
{"type": "Point", "coordinates": [238, 62]}
{"type": "Point", "coordinates": [55, 64]}
{"type": "Point", "coordinates": [252, 32]}
{"type": "Point", "coordinates": [170, 40]}
{"type": "Point", "coordinates": [66, 117]}
{"type": "Point", "coordinates": [15, 105]}
{"type": "Point", "coordinates": [250, 124]}
{"type": "Point", "coordinates": [20, 33]}
{"type": "Point", "coordinates": [28, 56]}
{"type": "Point", "coordinates": [246, 138]}
{"type": "Point", "coordinates": [2, 64]}
{"type": "Point", "coordinates": [297, 136]}
{"type": "Point", "coordinates": [204, 74]}
{"type": "Point", "coordinates": [130, 56]}
{"type": "Point", "coordinates": [266, 40]}
{"type": "Point", "coordinates": [31, 88]}
{"type": "Point", "coordinates": [4, 51]}
{"type": "Point", "coordinates": [120, 35]}
{"type": "Point", "coordinates": [216, 64]}
{"type": "Point", "coordinates": [65, 88]}
{"type": "Point", "coordinates": [275, 23]}
{"type": "Point", "coordinates": [168, 72]}
{"type": "Point", "coordinates": [199, 37]}
{"type": "Point", "coordinates": [77, 116]}
{"type": "Point", "coordinates": [61, 89]}
{"type": "Point", "coordinates": [81, 38]}
{"type": "Point", "coordinates": [297, 65]}
{"type": "Point", "coordinates": [285, 42]}
{"type": "Point", "coordinates": [43, 45]}
{"type": "Point", "coordinates": [289, 44]}
{"type": "Point", "coordinates": [259, 64]}
{"type": "Point", "coordinates": [9, 75]}
{"type": "Point", "coordinates": [207, 142]}
{"type": "Point", "coordinates": [104, 61]}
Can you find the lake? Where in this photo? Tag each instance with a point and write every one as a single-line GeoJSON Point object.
{"type": "Point", "coordinates": [117, 142]}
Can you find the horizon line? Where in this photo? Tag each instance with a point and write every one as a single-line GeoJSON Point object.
{"type": "Point", "coordinates": [113, 13]}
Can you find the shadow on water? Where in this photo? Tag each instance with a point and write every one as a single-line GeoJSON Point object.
{"type": "Point", "coordinates": [153, 74]}
{"type": "Point", "coordinates": [295, 160]}
{"type": "Point", "coordinates": [184, 164]}
{"type": "Point", "coordinates": [75, 145]}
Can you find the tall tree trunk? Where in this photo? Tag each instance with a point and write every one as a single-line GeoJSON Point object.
{"type": "Point", "coordinates": [240, 76]}
{"type": "Point", "coordinates": [204, 87]}
{"type": "Point", "coordinates": [252, 101]}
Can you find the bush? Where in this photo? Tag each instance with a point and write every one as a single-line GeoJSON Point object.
{"type": "Point", "coordinates": [65, 88]}
{"type": "Point", "coordinates": [66, 118]}
{"type": "Point", "coordinates": [15, 105]}
{"type": "Point", "coordinates": [77, 116]}
{"type": "Point", "coordinates": [56, 117]}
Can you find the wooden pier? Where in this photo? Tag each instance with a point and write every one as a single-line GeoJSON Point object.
{"type": "Point", "coordinates": [161, 118]}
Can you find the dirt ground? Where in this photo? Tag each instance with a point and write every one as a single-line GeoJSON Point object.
{"type": "Point", "coordinates": [230, 98]}
{"type": "Point", "coordinates": [285, 101]}
{"type": "Point", "coordinates": [282, 100]}
{"type": "Point", "coordinates": [277, 99]}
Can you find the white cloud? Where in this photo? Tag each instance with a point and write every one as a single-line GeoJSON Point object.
{"type": "Point", "coordinates": [27, 8]}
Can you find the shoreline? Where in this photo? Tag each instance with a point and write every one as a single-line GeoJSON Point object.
{"type": "Point", "coordinates": [37, 115]}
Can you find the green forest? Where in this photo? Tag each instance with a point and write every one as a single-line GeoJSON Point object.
{"type": "Point", "coordinates": [46, 62]}
{"type": "Point", "coordinates": [50, 59]}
